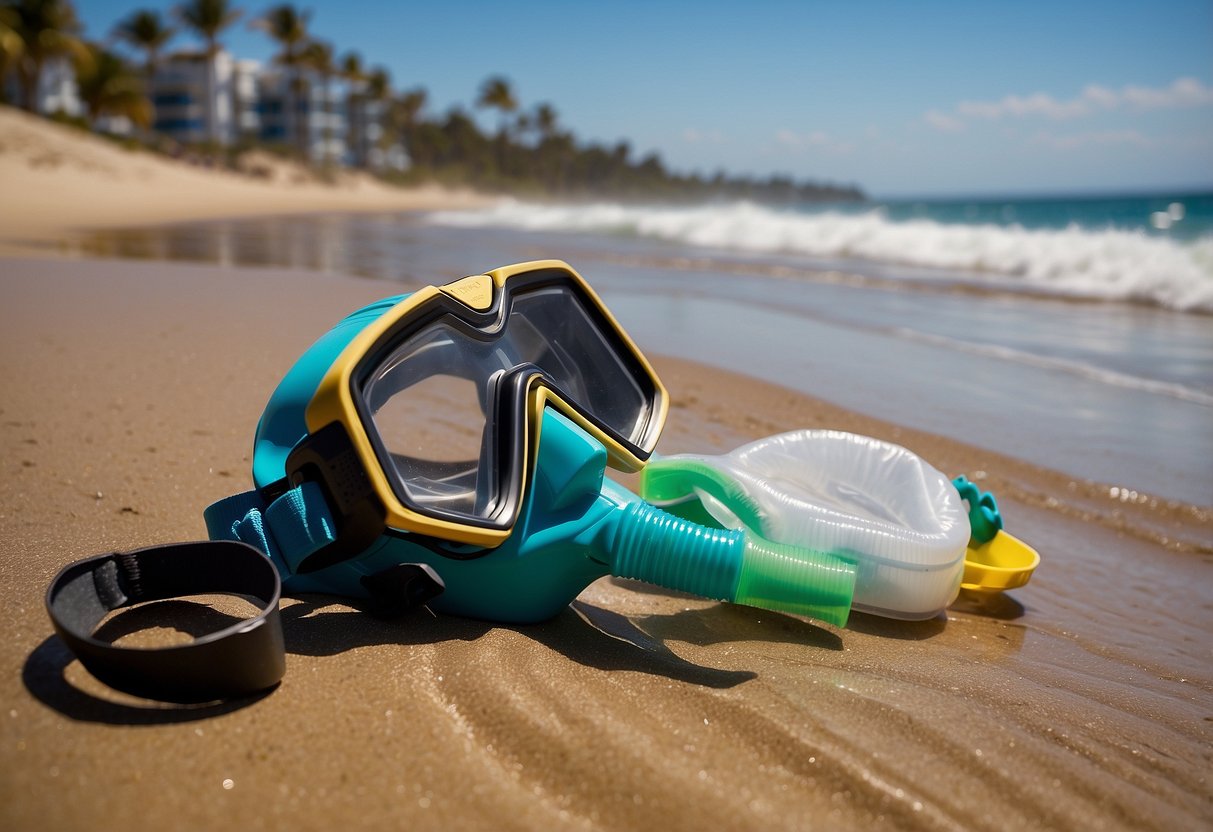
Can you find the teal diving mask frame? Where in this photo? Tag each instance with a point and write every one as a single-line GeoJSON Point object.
{"type": "Point", "coordinates": [420, 415]}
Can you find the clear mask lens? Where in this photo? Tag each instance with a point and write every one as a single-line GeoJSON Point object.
{"type": "Point", "coordinates": [432, 398]}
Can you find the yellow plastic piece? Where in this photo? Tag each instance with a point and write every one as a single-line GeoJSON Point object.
{"type": "Point", "coordinates": [1004, 562]}
{"type": "Point", "coordinates": [475, 291]}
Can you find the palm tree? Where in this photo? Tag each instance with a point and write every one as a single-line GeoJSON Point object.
{"type": "Point", "coordinates": [108, 86]}
{"type": "Point", "coordinates": [11, 47]}
{"type": "Point", "coordinates": [318, 55]}
{"type": "Point", "coordinates": [557, 153]}
{"type": "Point", "coordinates": [497, 94]}
{"type": "Point", "coordinates": [523, 124]}
{"type": "Point", "coordinates": [378, 90]}
{"type": "Point", "coordinates": [400, 116]}
{"type": "Point", "coordinates": [545, 119]}
{"type": "Point", "coordinates": [47, 29]}
{"type": "Point", "coordinates": [207, 19]}
{"type": "Point", "coordinates": [146, 31]}
{"type": "Point", "coordinates": [351, 67]}
{"type": "Point", "coordinates": [379, 83]}
{"type": "Point", "coordinates": [288, 26]}
{"type": "Point", "coordinates": [408, 107]}
{"type": "Point", "coordinates": [357, 103]}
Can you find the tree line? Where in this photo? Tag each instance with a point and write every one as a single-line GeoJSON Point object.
{"type": "Point", "coordinates": [530, 152]}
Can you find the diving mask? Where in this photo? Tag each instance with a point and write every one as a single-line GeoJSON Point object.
{"type": "Point", "coordinates": [450, 446]}
{"type": "Point", "coordinates": [420, 414]}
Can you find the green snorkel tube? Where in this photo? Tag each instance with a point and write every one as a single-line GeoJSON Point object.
{"type": "Point", "coordinates": [573, 526]}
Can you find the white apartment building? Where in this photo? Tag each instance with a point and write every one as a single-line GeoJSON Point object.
{"type": "Point", "coordinates": [366, 118]}
{"type": "Point", "coordinates": [219, 100]}
{"type": "Point", "coordinates": [246, 96]}
{"type": "Point", "coordinates": [57, 92]}
{"type": "Point", "coordinates": [306, 112]}
{"type": "Point", "coordinates": [200, 99]}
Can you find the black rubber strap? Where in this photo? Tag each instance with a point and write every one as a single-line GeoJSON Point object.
{"type": "Point", "coordinates": [239, 660]}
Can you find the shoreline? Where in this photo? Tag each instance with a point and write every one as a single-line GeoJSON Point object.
{"type": "Point", "coordinates": [132, 390]}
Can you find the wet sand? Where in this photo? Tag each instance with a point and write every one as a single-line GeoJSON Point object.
{"type": "Point", "coordinates": [131, 390]}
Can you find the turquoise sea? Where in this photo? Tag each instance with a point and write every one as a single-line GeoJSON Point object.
{"type": "Point", "coordinates": [1156, 215]}
{"type": "Point", "coordinates": [1074, 333]}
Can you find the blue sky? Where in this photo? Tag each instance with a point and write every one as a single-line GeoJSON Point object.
{"type": "Point", "coordinates": [923, 98]}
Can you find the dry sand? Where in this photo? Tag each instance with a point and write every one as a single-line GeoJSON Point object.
{"type": "Point", "coordinates": [54, 178]}
{"type": "Point", "coordinates": [131, 390]}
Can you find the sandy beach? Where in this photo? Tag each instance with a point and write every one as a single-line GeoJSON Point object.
{"type": "Point", "coordinates": [132, 389]}
{"type": "Point", "coordinates": [1080, 701]}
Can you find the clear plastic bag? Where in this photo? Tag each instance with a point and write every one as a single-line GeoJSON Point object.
{"type": "Point", "coordinates": [876, 504]}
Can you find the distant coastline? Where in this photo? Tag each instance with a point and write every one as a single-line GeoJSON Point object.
{"type": "Point", "coordinates": [326, 111]}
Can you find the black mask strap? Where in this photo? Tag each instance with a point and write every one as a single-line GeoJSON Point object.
{"type": "Point", "coordinates": [239, 660]}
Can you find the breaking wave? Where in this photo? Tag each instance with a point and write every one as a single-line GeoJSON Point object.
{"type": "Point", "coordinates": [1111, 264]}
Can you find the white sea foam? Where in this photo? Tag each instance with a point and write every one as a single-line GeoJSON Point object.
{"type": "Point", "coordinates": [1109, 264]}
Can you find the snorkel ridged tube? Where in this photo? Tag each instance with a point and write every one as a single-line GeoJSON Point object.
{"type": "Point", "coordinates": [654, 546]}
{"type": "Point", "coordinates": [648, 544]}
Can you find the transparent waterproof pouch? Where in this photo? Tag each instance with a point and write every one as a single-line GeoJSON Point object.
{"type": "Point", "coordinates": [899, 520]}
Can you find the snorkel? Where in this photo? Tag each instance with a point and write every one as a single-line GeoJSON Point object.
{"type": "Point", "coordinates": [321, 510]}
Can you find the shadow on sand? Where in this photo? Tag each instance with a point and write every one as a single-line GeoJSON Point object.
{"type": "Point", "coordinates": [322, 626]}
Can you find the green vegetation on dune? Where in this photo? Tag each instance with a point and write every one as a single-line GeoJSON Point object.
{"type": "Point", "coordinates": [531, 154]}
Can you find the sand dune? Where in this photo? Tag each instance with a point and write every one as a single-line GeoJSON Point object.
{"type": "Point", "coordinates": [54, 178]}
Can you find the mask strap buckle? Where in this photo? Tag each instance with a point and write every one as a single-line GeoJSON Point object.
{"type": "Point", "coordinates": [400, 588]}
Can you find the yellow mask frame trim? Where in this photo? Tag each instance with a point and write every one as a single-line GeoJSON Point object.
{"type": "Point", "coordinates": [334, 400]}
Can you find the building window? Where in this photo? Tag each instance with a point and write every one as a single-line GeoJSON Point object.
{"type": "Point", "coordinates": [175, 99]}
{"type": "Point", "coordinates": [178, 125]}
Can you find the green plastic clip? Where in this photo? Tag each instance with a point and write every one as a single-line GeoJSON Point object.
{"type": "Point", "coordinates": [985, 521]}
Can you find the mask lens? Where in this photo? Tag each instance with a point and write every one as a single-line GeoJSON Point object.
{"type": "Point", "coordinates": [574, 353]}
{"type": "Point", "coordinates": [427, 401]}
{"type": "Point", "coordinates": [430, 398]}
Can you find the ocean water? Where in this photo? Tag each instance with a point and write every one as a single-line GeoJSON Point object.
{"type": "Point", "coordinates": [1075, 335]}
